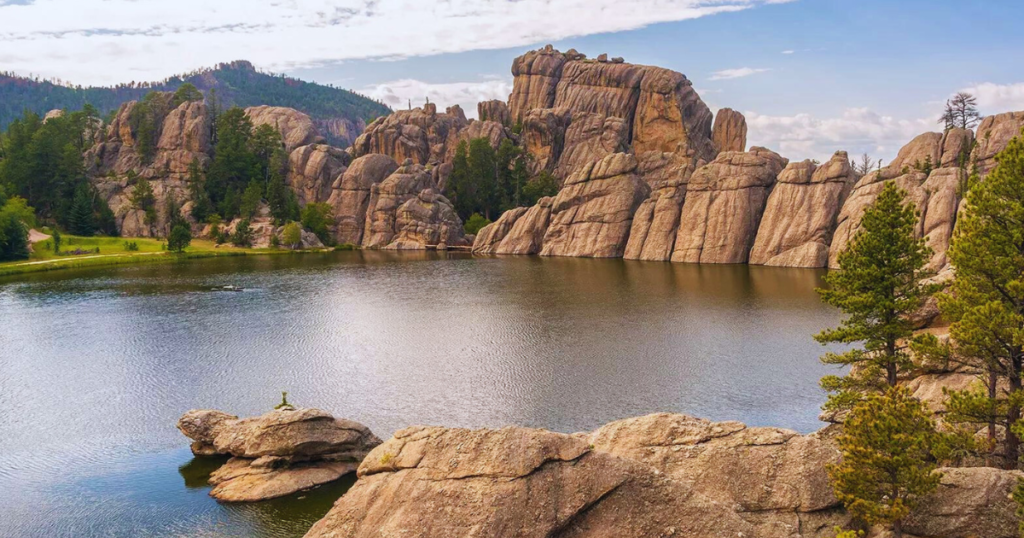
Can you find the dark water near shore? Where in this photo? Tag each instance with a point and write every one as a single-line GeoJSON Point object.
{"type": "Point", "coordinates": [97, 365]}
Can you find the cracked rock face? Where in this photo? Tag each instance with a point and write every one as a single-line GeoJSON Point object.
{"type": "Point", "coordinates": [658, 475]}
{"type": "Point", "coordinates": [278, 453]}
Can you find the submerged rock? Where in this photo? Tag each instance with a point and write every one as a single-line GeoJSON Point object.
{"type": "Point", "coordinates": [277, 453]}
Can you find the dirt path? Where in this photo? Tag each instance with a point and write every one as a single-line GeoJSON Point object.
{"type": "Point", "coordinates": [57, 260]}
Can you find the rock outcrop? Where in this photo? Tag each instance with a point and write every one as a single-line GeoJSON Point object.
{"type": "Point", "coordinates": [590, 137]}
{"type": "Point", "coordinates": [296, 128]}
{"type": "Point", "coordinates": [543, 137]}
{"type": "Point", "coordinates": [798, 222]}
{"type": "Point", "coordinates": [592, 214]}
{"type": "Point", "coordinates": [313, 169]}
{"type": "Point", "coordinates": [350, 195]}
{"type": "Point", "coordinates": [526, 236]}
{"type": "Point", "coordinates": [278, 453]}
{"type": "Point", "coordinates": [490, 236]}
{"type": "Point", "coordinates": [994, 133]}
{"type": "Point", "coordinates": [114, 163]}
{"type": "Point", "coordinates": [659, 475]}
{"type": "Point", "coordinates": [405, 211]}
{"type": "Point", "coordinates": [656, 222]}
{"type": "Point", "coordinates": [494, 110]}
{"type": "Point", "coordinates": [420, 134]}
{"type": "Point", "coordinates": [724, 203]}
{"type": "Point", "coordinates": [730, 131]}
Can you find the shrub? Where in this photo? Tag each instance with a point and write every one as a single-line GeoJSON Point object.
{"type": "Point", "coordinates": [475, 223]}
{"type": "Point", "coordinates": [179, 239]}
{"type": "Point", "coordinates": [243, 234]}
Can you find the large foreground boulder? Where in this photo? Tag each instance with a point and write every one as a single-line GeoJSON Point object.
{"type": "Point", "coordinates": [278, 453]}
{"type": "Point", "coordinates": [661, 475]}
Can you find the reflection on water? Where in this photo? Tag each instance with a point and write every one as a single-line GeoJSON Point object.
{"type": "Point", "coordinates": [97, 365]}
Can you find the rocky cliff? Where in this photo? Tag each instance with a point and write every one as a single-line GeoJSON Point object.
{"type": "Point", "coordinates": [710, 200]}
{"type": "Point", "coordinates": [659, 475]}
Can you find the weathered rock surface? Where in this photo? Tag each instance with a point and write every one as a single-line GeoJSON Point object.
{"type": "Point", "coordinates": [313, 169]}
{"type": "Point", "coordinates": [543, 137]}
{"type": "Point", "coordinates": [800, 217]}
{"type": "Point", "coordinates": [296, 127]}
{"type": "Point", "coordinates": [730, 131]}
{"type": "Point", "coordinates": [494, 110]}
{"type": "Point", "coordinates": [420, 134]}
{"type": "Point", "coordinates": [656, 223]}
{"type": "Point", "coordinates": [591, 216]}
{"type": "Point", "coordinates": [969, 502]}
{"type": "Point", "coordinates": [527, 233]}
{"type": "Point", "coordinates": [724, 203]}
{"type": "Point", "coordinates": [536, 75]}
{"type": "Point", "coordinates": [589, 138]}
{"type": "Point", "coordinates": [658, 475]}
{"type": "Point", "coordinates": [278, 453]}
{"type": "Point", "coordinates": [340, 130]}
{"type": "Point", "coordinates": [350, 195]}
{"type": "Point", "coordinates": [183, 136]}
{"type": "Point", "coordinates": [405, 211]}
{"type": "Point", "coordinates": [994, 133]}
{"type": "Point", "coordinates": [490, 236]}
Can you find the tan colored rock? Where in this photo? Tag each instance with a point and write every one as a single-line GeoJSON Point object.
{"type": "Point", "coordinates": [406, 183]}
{"type": "Point", "coordinates": [420, 134]}
{"type": "Point", "coordinates": [427, 220]}
{"type": "Point", "coordinates": [342, 131]}
{"type": "Point", "coordinates": [493, 131]}
{"type": "Point", "coordinates": [994, 133]}
{"type": "Point", "coordinates": [798, 222]}
{"type": "Point", "coordinates": [350, 196]}
{"type": "Point", "coordinates": [592, 214]}
{"type": "Point", "coordinates": [494, 110]}
{"type": "Point", "coordinates": [957, 145]}
{"type": "Point", "coordinates": [724, 203]}
{"type": "Point", "coordinates": [671, 117]}
{"type": "Point", "coordinates": [730, 131]}
{"type": "Point", "coordinates": [589, 138]}
{"type": "Point", "coordinates": [112, 163]}
{"type": "Point", "coordinates": [296, 127]}
{"type": "Point", "coordinates": [923, 149]}
{"type": "Point", "coordinates": [313, 169]}
{"type": "Point", "coordinates": [527, 233]}
{"type": "Point", "coordinates": [969, 502]}
{"type": "Point", "coordinates": [656, 223]}
{"type": "Point", "coordinates": [929, 387]}
{"type": "Point", "coordinates": [490, 236]}
{"type": "Point", "coordinates": [515, 482]}
{"type": "Point", "coordinates": [278, 453]}
{"type": "Point", "coordinates": [536, 75]}
{"type": "Point", "coordinates": [247, 480]}
{"type": "Point", "coordinates": [543, 137]}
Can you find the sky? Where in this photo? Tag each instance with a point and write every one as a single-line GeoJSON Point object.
{"type": "Point", "coordinates": [811, 76]}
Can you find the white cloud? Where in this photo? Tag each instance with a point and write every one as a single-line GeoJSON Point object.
{"type": "Point", "coordinates": [788, 51]}
{"type": "Point", "coordinates": [857, 131]}
{"type": "Point", "coordinates": [98, 42]}
{"type": "Point", "coordinates": [996, 98]}
{"type": "Point", "coordinates": [397, 94]}
{"type": "Point", "coordinates": [741, 72]}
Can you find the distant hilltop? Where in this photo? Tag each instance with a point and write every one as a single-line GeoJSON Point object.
{"type": "Point", "coordinates": [340, 115]}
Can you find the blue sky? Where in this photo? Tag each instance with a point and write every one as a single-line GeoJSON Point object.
{"type": "Point", "coordinates": [812, 76]}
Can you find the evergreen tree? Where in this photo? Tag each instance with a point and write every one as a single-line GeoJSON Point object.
{"type": "Point", "coordinates": [877, 286]}
{"type": "Point", "coordinates": [81, 221]}
{"type": "Point", "coordinates": [986, 301]}
{"type": "Point", "coordinates": [291, 236]}
{"type": "Point", "coordinates": [317, 218]}
{"type": "Point", "coordinates": [542, 186]}
{"type": "Point", "coordinates": [251, 199]}
{"type": "Point", "coordinates": [201, 204]}
{"type": "Point", "coordinates": [185, 93]}
{"type": "Point", "coordinates": [14, 229]}
{"type": "Point", "coordinates": [142, 197]}
{"type": "Point", "coordinates": [179, 238]}
{"type": "Point", "coordinates": [483, 171]}
{"type": "Point", "coordinates": [234, 164]}
{"type": "Point", "coordinates": [887, 446]}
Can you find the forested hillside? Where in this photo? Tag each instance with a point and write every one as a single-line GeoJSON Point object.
{"type": "Point", "coordinates": [339, 114]}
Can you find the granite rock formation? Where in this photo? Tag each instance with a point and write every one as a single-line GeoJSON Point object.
{"type": "Point", "coordinates": [405, 211]}
{"type": "Point", "coordinates": [730, 131]}
{"type": "Point", "coordinates": [296, 128]}
{"type": "Point", "coordinates": [797, 226]}
{"type": "Point", "coordinates": [659, 475]}
{"type": "Point", "coordinates": [278, 453]}
{"type": "Point", "coordinates": [350, 195]}
{"type": "Point", "coordinates": [592, 214]}
{"type": "Point", "coordinates": [724, 203]}
{"type": "Point", "coordinates": [312, 171]}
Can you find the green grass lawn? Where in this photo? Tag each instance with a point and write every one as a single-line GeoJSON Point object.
{"type": "Point", "coordinates": [113, 252]}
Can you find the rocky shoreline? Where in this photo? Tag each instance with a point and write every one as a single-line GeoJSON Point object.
{"type": "Point", "coordinates": [656, 475]}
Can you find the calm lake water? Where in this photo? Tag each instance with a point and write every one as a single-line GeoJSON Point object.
{"type": "Point", "coordinates": [96, 366]}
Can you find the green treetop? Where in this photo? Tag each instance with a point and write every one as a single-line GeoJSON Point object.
{"type": "Point", "coordinates": [877, 286]}
{"type": "Point", "coordinates": [887, 465]}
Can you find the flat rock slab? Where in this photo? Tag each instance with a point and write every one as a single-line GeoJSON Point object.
{"type": "Point", "coordinates": [246, 480]}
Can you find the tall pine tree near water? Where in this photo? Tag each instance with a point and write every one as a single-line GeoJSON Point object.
{"type": "Point", "coordinates": [878, 285]}
{"type": "Point", "coordinates": [986, 303]}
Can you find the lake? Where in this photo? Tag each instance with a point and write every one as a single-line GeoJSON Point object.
{"type": "Point", "coordinates": [97, 365]}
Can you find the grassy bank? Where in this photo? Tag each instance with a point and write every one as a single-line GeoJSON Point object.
{"type": "Point", "coordinates": [112, 251]}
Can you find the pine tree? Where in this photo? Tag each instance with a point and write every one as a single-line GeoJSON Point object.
{"type": "Point", "coordinates": [81, 221]}
{"type": "Point", "coordinates": [877, 286]}
{"type": "Point", "coordinates": [887, 447]}
{"type": "Point", "coordinates": [179, 238]}
{"type": "Point", "coordinates": [986, 302]}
